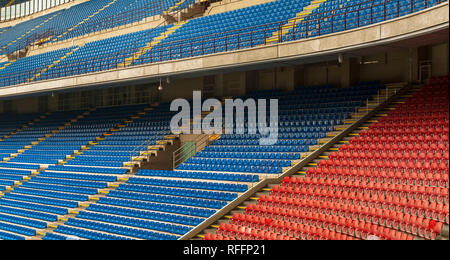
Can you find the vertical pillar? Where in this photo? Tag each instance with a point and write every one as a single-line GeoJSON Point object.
{"type": "Point", "coordinates": [349, 71]}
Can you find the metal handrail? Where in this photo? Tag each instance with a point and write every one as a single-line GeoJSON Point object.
{"type": "Point", "coordinates": [181, 155]}
{"type": "Point", "coordinates": [196, 146]}
{"type": "Point", "coordinates": [208, 44]}
{"type": "Point", "coordinates": [138, 148]}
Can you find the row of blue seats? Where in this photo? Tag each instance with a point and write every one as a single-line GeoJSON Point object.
{"type": "Point", "coordinates": [80, 233]}
{"type": "Point", "coordinates": [133, 222]}
{"type": "Point", "coordinates": [86, 169]}
{"type": "Point", "coordinates": [122, 201]}
{"type": "Point", "coordinates": [260, 149]}
{"type": "Point", "coordinates": [74, 176]}
{"type": "Point", "coordinates": [120, 230]}
{"type": "Point", "coordinates": [66, 189]}
{"type": "Point", "coordinates": [208, 199]}
{"type": "Point", "coordinates": [231, 168]}
{"type": "Point", "coordinates": [131, 212]}
{"type": "Point", "coordinates": [40, 200]}
{"type": "Point", "coordinates": [200, 175]}
{"type": "Point", "coordinates": [17, 229]}
{"type": "Point", "coordinates": [34, 205]}
{"type": "Point", "coordinates": [23, 221]}
{"type": "Point", "coordinates": [247, 162]}
{"type": "Point", "coordinates": [249, 155]}
{"type": "Point", "coordinates": [29, 214]}
{"type": "Point", "coordinates": [189, 184]}
{"type": "Point", "coordinates": [8, 236]}
{"type": "Point", "coordinates": [50, 194]}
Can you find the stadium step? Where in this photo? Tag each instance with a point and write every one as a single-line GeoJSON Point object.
{"type": "Point", "coordinates": [287, 27]}
{"type": "Point", "coordinates": [54, 63]}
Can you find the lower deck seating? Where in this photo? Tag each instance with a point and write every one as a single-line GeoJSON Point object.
{"type": "Point", "coordinates": [390, 182]}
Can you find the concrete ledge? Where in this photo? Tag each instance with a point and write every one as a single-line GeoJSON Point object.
{"type": "Point", "coordinates": [414, 25]}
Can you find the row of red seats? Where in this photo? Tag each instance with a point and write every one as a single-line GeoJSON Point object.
{"type": "Point", "coordinates": [307, 223]}
{"type": "Point", "coordinates": [371, 206]}
{"type": "Point", "coordinates": [333, 188]}
{"type": "Point", "coordinates": [412, 220]}
{"type": "Point", "coordinates": [385, 215]}
{"type": "Point", "coordinates": [398, 153]}
{"type": "Point", "coordinates": [384, 176]}
{"type": "Point", "coordinates": [419, 166]}
{"type": "Point", "coordinates": [439, 80]}
{"type": "Point", "coordinates": [409, 123]}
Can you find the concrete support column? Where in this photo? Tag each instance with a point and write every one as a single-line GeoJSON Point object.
{"type": "Point", "coordinates": [53, 103]}
{"type": "Point", "coordinates": [349, 72]}
{"type": "Point", "coordinates": [234, 84]}
{"type": "Point", "coordinates": [219, 85]}
{"type": "Point", "coordinates": [285, 78]}
{"type": "Point", "coordinates": [439, 59]}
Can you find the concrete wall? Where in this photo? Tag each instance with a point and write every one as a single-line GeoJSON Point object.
{"type": "Point", "coordinates": [182, 88]}
{"type": "Point", "coordinates": [439, 57]}
{"type": "Point", "coordinates": [391, 67]}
